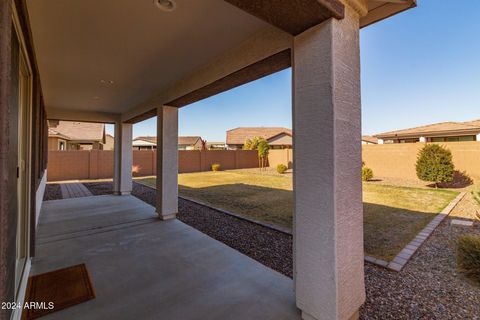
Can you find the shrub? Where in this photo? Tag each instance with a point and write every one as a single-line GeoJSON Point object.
{"type": "Point", "coordinates": [434, 164]}
{"type": "Point", "coordinates": [367, 174]}
{"type": "Point", "coordinates": [281, 168]}
{"type": "Point", "coordinates": [468, 256]}
{"type": "Point", "coordinates": [216, 167]}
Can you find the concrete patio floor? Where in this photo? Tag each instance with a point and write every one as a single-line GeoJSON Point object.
{"type": "Point", "coordinates": [145, 268]}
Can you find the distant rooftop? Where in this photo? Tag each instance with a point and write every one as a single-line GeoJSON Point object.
{"type": "Point", "coordinates": [449, 127]}
{"type": "Point", "coordinates": [182, 140]}
{"type": "Point", "coordinates": [78, 131]}
{"type": "Point", "coordinates": [239, 135]}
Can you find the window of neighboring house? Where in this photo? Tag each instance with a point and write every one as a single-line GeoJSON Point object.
{"type": "Point", "coordinates": [453, 139]}
{"type": "Point", "coordinates": [62, 145]}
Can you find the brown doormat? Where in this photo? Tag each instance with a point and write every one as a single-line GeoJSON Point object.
{"type": "Point", "coordinates": [64, 288]}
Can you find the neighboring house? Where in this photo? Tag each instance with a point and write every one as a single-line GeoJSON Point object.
{"type": "Point", "coordinates": [277, 137]}
{"type": "Point", "coordinates": [369, 140]}
{"type": "Point", "coordinates": [109, 142]}
{"type": "Point", "coordinates": [190, 143]}
{"type": "Point", "coordinates": [216, 146]}
{"type": "Point", "coordinates": [74, 135]}
{"type": "Point", "coordinates": [437, 132]}
{"type": "Point", "coordinates": [184, 143]}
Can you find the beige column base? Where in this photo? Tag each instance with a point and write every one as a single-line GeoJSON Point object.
{"type": "Point", "coordinates": [121, 193]}
{"type": "Point", "coordinates": [306, 316]}
{"type": "Point", "coordinates": [167, 216]}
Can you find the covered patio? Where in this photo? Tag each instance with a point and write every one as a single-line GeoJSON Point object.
{"type": "Point", "coordinates": [122, 62]}
{"type": "Point", "coordinates": [174, 271]}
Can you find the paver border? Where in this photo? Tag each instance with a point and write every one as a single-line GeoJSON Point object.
{"type": "Point", "coordinates": [402, 258]}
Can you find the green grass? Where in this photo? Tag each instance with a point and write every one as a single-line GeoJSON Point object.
{"type": "Point", "coordinates": [392, 215]}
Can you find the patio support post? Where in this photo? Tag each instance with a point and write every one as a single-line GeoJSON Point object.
{"type": "Point", "coordinates": [167, 162]}
{"type": "Point", "coordinates": [122, 163]}
{"type": "Point", "coordinates": [328, 223]}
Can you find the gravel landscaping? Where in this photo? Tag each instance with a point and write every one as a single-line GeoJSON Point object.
{"type": "Point", "coordinates": [429, 286]}
{"type": "Point", "coordinates": [52, 192]}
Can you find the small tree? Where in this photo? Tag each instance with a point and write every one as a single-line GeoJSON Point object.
{"type": "Point", "coordinates": [434, 164]}
{"type": "Point", "coordinates": [263, 148]}
{"type": "Point", "coordinates": [252, 144]}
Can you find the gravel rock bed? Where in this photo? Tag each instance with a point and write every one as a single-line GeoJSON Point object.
{"type": "Point", "coordinates": [52, 192]}
{"type": "Point", "coordinates": [99, 188]}
{"type": "Point", "coordinates": [427, 288]}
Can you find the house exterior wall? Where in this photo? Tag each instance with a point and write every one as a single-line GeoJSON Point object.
{"type": "Point", "coordinates": [281, 141]}
{"type": "Point", "coordinates": [9, 69]}
{"type": "Point", "coordinates": [426, 138]}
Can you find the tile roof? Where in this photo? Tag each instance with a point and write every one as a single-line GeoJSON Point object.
{"type": "Point", "coordinates": [435, 128]}
{"type": "Point", "coordinates": [182, 140]}
{"type": "Point", "coordinates": [369, 139]}
{"type": "Point", "coordinates": [81, 131]}
{"type": "Point", "coordinates": [239, 135]}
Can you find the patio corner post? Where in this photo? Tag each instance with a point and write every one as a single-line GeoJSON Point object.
{"type": "Point", "coordinates": [167, 162]}
{"type": "Point", "coordinates": [122, 161]}
{"type": "Point", "coordinates": [328, 219]}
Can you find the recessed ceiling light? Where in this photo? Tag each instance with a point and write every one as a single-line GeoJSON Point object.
{"type": "Point", "coordinates": [165, 5]}
{"type": "Point", "coordinates": [95, 98]}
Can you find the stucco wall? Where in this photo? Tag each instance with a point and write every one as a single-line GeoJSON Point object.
{"type": "Point", "coordinates": [398, 160]}
{"type": "Point", "coordinates": [284, 156]}
{"type": "Point", "coordinates": [98, 164]}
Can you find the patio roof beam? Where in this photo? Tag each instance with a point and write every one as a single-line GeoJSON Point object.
{"type": "Point", "coordinates": [239, 64]}
{"type": "Point", "coordinates": [293, 17]}
{"type": "Point", "coordinates": [80, 115]}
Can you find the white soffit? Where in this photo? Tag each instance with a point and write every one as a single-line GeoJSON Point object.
{"type": "Point", "coordinates": [142, 49]}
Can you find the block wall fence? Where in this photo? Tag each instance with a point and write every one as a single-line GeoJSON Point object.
{"type": "Point", "coordinates": [398, 160]}
{"type": "Point", "coordinates": [98, 164]}
{"type": "Point", "coordinates": [387, 160]}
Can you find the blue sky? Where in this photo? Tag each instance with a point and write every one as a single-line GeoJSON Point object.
{"type": "Point", "coordinates": [419, 67]}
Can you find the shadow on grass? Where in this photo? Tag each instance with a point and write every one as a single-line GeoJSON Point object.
{"type": "Point", "coordinates": [460, 180]}
{"type": "Point", "coordinates": [387, 230]}
{"type": "Point", "coordinates": [266, 204]}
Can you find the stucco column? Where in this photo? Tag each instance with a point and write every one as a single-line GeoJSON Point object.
{"type": "Point", "coordinates": [122, 162]}
{"type": "Point", "coordinates": [167, 162]}
{"type": "Point", "coordinates": [328, 216]}
{"type": "Point", "coordinates": [478, 137]}
{"type": "Point", "coordinates": [422, 139]}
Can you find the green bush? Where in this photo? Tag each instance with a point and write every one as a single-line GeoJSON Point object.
{"type": "Point", "coordinates": [434, 164]}
{"type": "Point", "coordinates": [367, 174]}
{"type": "Point", "coordinates": [281, 168]}
{"type": "Point", "coordinates": [216, 167]}
{"type": "Point", "coordinates": [468, 256]}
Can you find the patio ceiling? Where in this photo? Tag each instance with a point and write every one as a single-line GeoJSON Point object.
{"type": "Point", "coordinates": [139, 47]}
{"type": "Point", "coordinates": [123, 58]}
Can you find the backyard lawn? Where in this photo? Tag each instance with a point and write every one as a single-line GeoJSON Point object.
{"type": "Point", "coordinates": [392, 215]}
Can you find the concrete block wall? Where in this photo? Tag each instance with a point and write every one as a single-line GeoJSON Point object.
{"type": "Point", "coordinates": [398, 160]}
{"type": "Point", "coordinates": [98, 164]}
